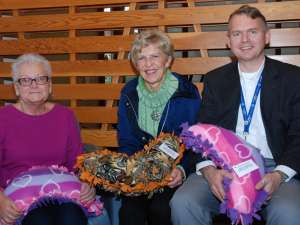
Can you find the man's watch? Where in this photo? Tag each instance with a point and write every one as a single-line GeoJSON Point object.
{"type": "Point", "coordinates": [283, 176]}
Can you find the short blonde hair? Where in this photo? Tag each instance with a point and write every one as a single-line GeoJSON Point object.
{"type": "Point", "coordinates": [148, 37]}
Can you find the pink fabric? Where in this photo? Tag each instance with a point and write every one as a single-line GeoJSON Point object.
{"type": "Point", "coordinates": [25, 141]}
{"type": "Point", "coordinates": [54, 182]}
{"type": "Point", "coordinates": [228, 150]}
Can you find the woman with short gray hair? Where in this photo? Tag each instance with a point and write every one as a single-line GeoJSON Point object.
{"type": "Point", "coordinates": [36, 132]}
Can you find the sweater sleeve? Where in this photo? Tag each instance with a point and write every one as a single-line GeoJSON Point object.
{"type": "Point", "coordinates": [1, 143]}
{"type": "Point", "coordinates": [74, 144]}
{"type": "Point", "coordinates": [1, 148]}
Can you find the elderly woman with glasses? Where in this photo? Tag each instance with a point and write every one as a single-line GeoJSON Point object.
{"type": "Point", "coordinates": [36, 132]}
{"type": "Point", "coordinates": [158, 100]}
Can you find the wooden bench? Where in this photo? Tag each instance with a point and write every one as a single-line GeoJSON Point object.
{"type": "Point", "coordinates": [87, 42]}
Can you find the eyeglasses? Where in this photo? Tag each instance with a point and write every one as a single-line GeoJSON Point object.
{"type": "Point", "coordinates": [27, 81]}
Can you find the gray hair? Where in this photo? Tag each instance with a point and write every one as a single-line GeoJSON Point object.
{"type": "Point", "coordinates": [148, 37]}
{"type": "Point", "coordinates": [30, 58]}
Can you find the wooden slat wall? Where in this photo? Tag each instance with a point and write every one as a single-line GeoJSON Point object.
{"type": "Point", "coordinates": [88, 46]}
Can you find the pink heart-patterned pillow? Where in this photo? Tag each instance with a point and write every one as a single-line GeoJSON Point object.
{"type": "Point", "coordinates": [233, 154]}
{"type": "Point", "coordinates": [44, 184]}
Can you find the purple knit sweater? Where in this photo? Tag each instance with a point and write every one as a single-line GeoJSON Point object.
{"type": "Point", "coordinates": [26, 141]}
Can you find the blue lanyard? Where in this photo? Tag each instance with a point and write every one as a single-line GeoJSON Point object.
{"type": "Point", "coordinates": [248, 116]}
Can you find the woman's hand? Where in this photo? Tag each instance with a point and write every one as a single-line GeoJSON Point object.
{"type": "Point", "coordinates": [176, 178]}
{"type": "Point", "coordinates": [9, 212]}
{"type": "Point", "coordinates": [87, 193]}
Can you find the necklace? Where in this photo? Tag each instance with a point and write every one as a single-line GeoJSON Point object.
{"type": "Point", "coordinates": [155, 115]}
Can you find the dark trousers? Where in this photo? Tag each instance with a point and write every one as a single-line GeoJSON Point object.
{"type": "Point", "coordinates": [56, 214]}
{"type": "Point", "coordinates": [138, 210]}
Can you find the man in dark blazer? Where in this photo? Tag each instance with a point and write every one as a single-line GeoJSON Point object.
{"type": "Point", "coordinates": [259, 99]}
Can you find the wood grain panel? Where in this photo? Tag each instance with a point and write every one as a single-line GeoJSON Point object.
{"type": "Point", "coordinates": [21, 4]}
{"type": "Point", "coordinates": [196, 65]}
{"type": "Point", "coordinates": [82, 68]}
{"type": "Point", "coordinates": [158, 17]}
{"type": "Point", "coordinates": [181, 41]}
{"type": "Point", "coordinates": [100, 138]}
{"type": "Point", "coordinates": [100, 20]}
{"type": "Point", "coordinates": [184, 66]}
{"type": "Point", "coordinates": [74, 91]}
{"type": "Point", "coordinates": [93, 68]}
{"type": "Point", "coordinates": [87, 91]}
{"type": "Point", "coordinates": [285, 37]}
{"type": "Point", "coordinates": [96, 114]}
{"type": "Point", "coordinates": [204, 65]}
{"type": "Point", "coordinates": [7, 92]}
{"type": "Point", "coordinates": [292, 59]}
{"type": "Point", "coordinates": [273, 11]}
{"type": "Point", "coordinates": [66, 45]}
{"type": "Point", "coordinates": [199, 40]}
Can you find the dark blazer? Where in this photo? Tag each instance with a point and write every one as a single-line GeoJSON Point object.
{"type": "Point", "coordinates": [279, 102]}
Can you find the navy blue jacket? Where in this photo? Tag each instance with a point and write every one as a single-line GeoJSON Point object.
{"type": "Point", "coordinates": [184, 107]}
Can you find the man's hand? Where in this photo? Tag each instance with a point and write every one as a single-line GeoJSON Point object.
{"type": "Point", "coordinates": [9, 212]}
{"type": "Point", "coordinates": [215, 179]}
{"type": "Point", "coordinates": [176, 178]}
{"type": "Point", "coordinates": [270, 183]}
{"type": "Point", "coordinates": [87, 193]}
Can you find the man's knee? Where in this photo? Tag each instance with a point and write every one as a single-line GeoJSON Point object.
{"type": "Point", "coordinates": [285, 205]}
{"type": "Point", "coordinates": [283, 210]}
{"type": "Point", "coordinates": [179, 200]}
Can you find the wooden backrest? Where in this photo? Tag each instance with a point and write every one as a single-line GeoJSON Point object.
{"type": "Point", "coordinates": [87, 42]}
